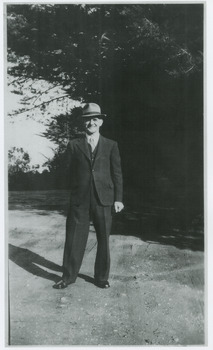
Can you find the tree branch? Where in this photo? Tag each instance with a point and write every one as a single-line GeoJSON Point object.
{"type": "Point", "coordinates": [39, 94]}
{"type": "Point", "coordinates": [19, 80]}
{"type": "Point", "coordinates": [41, 104]}
{"type": "Point", "coordinates": [44, 92]}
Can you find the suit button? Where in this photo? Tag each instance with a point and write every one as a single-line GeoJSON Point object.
{"type": "Point", "coordinates": [93, 170]}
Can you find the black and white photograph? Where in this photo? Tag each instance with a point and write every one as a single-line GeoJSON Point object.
{"type": "Point", "coordinates": [104, 137]}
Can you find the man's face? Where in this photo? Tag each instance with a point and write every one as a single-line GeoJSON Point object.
{"type": "Point", "coordinates": [92, 125]}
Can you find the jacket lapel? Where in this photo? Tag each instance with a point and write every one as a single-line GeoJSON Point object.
{"type": "Point", "coordinates": [84, 147]}
{"type": "Point", "coordinates": [100, 148]}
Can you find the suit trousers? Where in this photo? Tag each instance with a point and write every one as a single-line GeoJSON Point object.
{"type": "Point", "coordinates": [77, 231]}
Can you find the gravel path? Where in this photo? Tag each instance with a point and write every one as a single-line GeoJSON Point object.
{"type": "Point", "coordinates": [156, 295]}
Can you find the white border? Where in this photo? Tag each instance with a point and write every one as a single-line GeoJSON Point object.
{"type": "Point", "coordinates": [208, 146]}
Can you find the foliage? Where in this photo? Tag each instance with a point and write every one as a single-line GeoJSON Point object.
{"type": "Point", "coordinates": [89, 49]}
{"type": "Point", "coordinates": [18, 160]}
{"type": "Point", "coordinates": [60, 130]}
{"type": "Point", "coordinates": [37, 98]}
{"type": "Point", "coordinates": [23, 176]}
{"type": "Point", "coordinates": [143, 64]}
{"type": "Point", "coordinates": [64, 127]}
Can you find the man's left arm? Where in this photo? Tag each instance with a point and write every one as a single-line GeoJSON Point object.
{"type": "Point", "coordinates": [117, 178]}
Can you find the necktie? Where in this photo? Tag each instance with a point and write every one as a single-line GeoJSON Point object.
{"type": "Point", "coordinates": [92, 143]}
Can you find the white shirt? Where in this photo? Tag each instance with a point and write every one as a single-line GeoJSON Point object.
{"type": "Point", "coordinates": [94, 137]}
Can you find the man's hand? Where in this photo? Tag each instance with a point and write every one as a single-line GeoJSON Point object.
{"type": "Point", "coordinates": [118, 206]}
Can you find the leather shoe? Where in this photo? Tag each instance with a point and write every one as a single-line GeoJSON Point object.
{"type": "Point", "coordinates": [102, 284]}
{"type": "Point", "coordinates": [60, 285]}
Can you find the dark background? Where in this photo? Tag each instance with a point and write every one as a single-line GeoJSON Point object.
{"type": "Point", "coordinates": [143, 64]}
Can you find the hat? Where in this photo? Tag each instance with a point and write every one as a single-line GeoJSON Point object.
{"type": "Point", "coordinates": [92, 110]}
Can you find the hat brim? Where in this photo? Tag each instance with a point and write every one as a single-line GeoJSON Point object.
{"type": "Point", "coordinates": [90, 115]}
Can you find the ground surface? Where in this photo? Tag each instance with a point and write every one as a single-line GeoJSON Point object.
{"type": "Point", "coordinates": [157, 278]}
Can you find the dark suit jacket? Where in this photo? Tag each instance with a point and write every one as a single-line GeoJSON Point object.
{"type": "Point", "coordinates": [105, 171]}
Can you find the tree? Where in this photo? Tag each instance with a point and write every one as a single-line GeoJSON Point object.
{"type": "Point", "coordinates": [93, 51]}
{"type": "Point", "coordinates": [18, 161]}
{"type": "Point", "coordinates": [64, 127]}
{"type": "Point", "coordinates": [143, 63]}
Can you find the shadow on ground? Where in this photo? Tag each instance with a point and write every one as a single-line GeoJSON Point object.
{"type": "Point", "coordinates": [160, 227]}
{"type": "Point", "coordinates": [33, 263]}
{"type": "Point", "coordinates": [29, 261]}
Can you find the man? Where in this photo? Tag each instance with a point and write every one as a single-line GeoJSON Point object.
{"type": "Point", "coordinates": [96, 186]}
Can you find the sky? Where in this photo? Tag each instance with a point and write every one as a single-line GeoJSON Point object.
{"type": "Point", "coordinates": [25, 129]}
{"type": "Point", "coordinates": [25, 133]}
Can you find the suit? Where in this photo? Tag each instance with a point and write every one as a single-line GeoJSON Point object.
{"type": "Point", "coordinates": [95, 184]}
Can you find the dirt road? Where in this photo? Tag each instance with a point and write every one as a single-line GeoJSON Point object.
{"type": "Point", "coordinates": [156, 295]}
